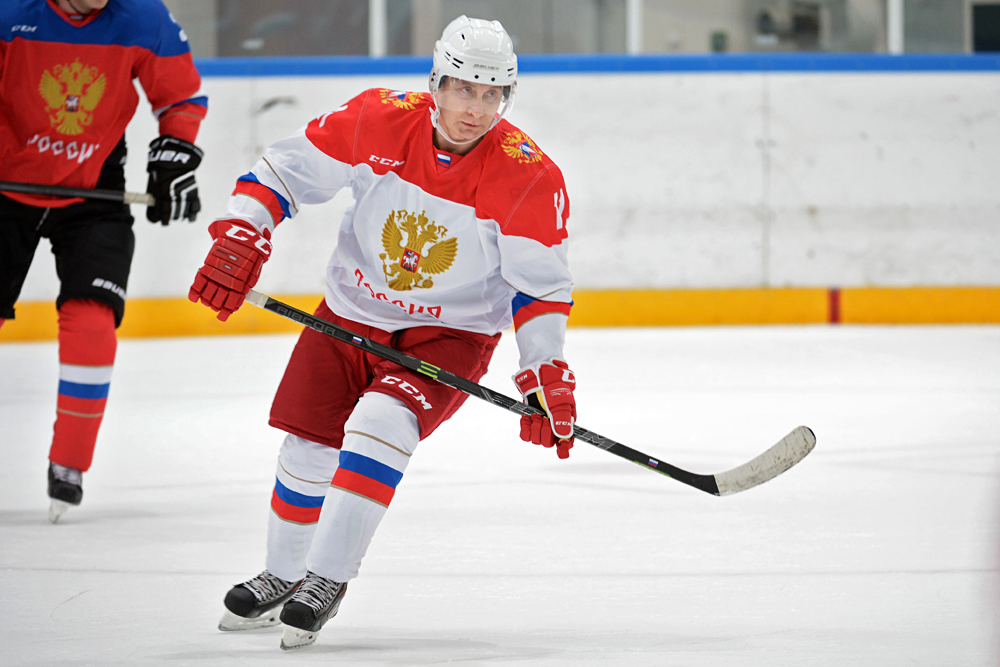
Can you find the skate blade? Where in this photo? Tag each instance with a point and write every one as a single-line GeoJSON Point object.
{"type": "Point", "coordinates": [230, 622]}
{"type": "Point", "coordinates": [293, 638]}
{"type": "Point", "coordinates": [56, 509]}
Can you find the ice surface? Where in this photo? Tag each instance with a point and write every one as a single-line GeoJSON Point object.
{"type": "Point", "coordinates": [880, 549]}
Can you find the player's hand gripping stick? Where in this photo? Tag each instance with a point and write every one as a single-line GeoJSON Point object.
{"type": "Point", "coordinates": [171, 163]}
{"type": "Point", "coordinates": [549, 386]}
{"type": "Point", "coordinates": [231, 268]}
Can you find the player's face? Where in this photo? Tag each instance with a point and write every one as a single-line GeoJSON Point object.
{"type": "Point", "coordinates": [467, 109]}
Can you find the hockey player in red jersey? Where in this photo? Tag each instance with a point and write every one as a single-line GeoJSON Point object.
{"type": "Point", "coordinates": [66, 96]}
{"type": "Point", "coordinates": [458, 230]}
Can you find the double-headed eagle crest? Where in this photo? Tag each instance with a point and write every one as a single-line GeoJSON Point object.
{"type": "Point", "coordinates": [404, 261]}
{"type": "Point", "coordinates": [72, 92]}
{"type": "Point", "coordinates": [519, 146]}
{"type": "Point", "coordinates": [400, 98]}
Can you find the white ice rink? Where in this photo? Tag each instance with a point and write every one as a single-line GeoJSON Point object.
{"type": "Point", "coordinates": [880, 549]}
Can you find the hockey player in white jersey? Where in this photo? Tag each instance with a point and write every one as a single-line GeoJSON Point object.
{"type": "Point", "coordinates": [457, 231]}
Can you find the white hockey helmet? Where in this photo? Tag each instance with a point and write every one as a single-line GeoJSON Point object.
{"type": "Point", "coordinates": [477, 51]}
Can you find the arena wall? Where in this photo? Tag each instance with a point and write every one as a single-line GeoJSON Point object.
{"type": "Point", "coordinates": [761, 190]}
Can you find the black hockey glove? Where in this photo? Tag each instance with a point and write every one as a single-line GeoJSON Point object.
{"type": "Point", "coordinates": [171, 165]}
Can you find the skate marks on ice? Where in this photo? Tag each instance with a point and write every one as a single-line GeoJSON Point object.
{"type": "Point", "coordinates": [373, 645]}
{"type": "Point", "coordinates": [859, 556]}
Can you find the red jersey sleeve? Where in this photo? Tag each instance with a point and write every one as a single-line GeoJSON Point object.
{"type": "Point", "coordinates": [171, 81]}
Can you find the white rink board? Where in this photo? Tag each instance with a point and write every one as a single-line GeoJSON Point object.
{"type": "Point", "coordinates": [676, 180]}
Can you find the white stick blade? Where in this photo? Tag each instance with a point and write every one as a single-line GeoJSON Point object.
{"type": "Point", "coordinates": [256, 298]}
{"type": "Point", "coordinates": [787, 452]}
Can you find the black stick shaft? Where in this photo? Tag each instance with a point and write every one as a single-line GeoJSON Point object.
{"type": "Point", "coordinates": [705, 483]}
{"type": "Point", "coordinates": [87, 193]}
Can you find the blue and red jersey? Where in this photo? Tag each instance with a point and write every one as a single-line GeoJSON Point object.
{"type": "Point", "coordinates": [67, 92]}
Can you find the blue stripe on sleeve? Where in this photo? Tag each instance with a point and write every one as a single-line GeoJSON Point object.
{"type": "Point", "coordinates": [282, 202]}
{"type": "Point", "coordinates": [201, 100]}
{"type": "Point", "coordinates": [520, 301]}
{"type": "Point", "coordinates": [78, 390]}
{"type": "Point", "coordinates": [371, 468]}
{"type": "Point", "coordinates": [295, 498]}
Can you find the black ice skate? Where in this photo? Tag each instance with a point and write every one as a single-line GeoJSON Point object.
{"type": "Point", "coordinates": [314, 603]}
{"type": "Point", "coordinates": [65, 489]}
{"type": "Point", "coordinates": [256, 603]}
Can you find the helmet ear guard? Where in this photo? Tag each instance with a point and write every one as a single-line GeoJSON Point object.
{"type": "Point", "coordinates": [476, 51]}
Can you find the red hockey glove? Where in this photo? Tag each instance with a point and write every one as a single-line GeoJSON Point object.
{"type": "Point", "coordinates": [549, 387]}
{"type": "Point", "coordinates": [231, 268]}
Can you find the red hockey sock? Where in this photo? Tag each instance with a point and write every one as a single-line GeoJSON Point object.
{"type": "Point", "coordinates": [87, 344]}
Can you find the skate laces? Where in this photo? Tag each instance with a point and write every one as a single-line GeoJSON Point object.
{"type": "Point", "coordinates": [64, 474]}
{"type": "Point", "coordinates": [265, 586]}
{"type": "Point", "coordinates": [316, 592]}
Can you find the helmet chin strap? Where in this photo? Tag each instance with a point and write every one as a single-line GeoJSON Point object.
{"type": "Point", "coordinates": [436, 113]}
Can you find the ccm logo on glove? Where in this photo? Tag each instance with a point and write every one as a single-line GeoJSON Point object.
{"type": "Point", "coordinates": [549, 387]}
{"type": "Point", "coordinates": [231, 268]}
{"type": "Point", "coordinates": [243, 234]}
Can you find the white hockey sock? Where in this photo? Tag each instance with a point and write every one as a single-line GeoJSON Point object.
{"type": "Point", "coordinates": [302, 478]}
{"type": "Point", "coordinates": [379, 438]}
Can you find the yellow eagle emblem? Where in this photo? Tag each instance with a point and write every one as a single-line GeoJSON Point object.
{"type": "Point", "coordinates": [519, 146]}
{"type": "Point", "coordinates": [404, 261]}
{"type": "Point", "coordinates": [72, 92]}
{"type": "Point", "coordinates": [400, 98]}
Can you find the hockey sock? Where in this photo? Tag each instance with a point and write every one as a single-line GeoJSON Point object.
{"type": "Point", "coordinates": [87, 345]}
{"type": "Point", "coordinates": [379, 438]}
{"type": "Point", "coordinates": [303, 475]}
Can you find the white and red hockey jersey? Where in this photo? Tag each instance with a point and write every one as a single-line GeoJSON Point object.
{"type": "Point", "coordinates": [474, 242]}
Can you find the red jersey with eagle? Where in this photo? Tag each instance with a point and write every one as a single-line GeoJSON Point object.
{"type": "Point", "coordinates": [471, 242]}
{"type": "Point", "coordinates": [67, 92]}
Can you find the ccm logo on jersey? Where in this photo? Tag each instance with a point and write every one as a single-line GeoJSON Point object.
{"type": "Point", "coordinates": [386, 161]}
{"type": "Point", "coordinates": [24, 28]}
{"type": "Point", "coordinates": [409, 389]}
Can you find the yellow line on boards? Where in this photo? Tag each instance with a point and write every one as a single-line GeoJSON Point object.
{"type": "Point", "coordinates": [165, 317]}
{"type": "Point", "coordinates": [921, 305]}
{"type": "Point", "coordinates": [639, 308]}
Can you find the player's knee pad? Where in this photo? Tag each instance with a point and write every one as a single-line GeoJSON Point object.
{"type": "Point", "coordinates": [379, 438]}
{"type": "Point", "coordinates": [384, 419]}
{"type": "Point", "coordinates": [306, 460]}
{"type": "Point", "coordinates": [302, 478]}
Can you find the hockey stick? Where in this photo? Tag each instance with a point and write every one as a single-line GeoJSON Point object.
{"type": "Point", "coordinates": [60, 191]}
{"type": "Point", "coordinates": [787, 452]}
